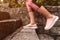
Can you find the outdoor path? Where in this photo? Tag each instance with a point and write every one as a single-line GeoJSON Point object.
{"type": "Point", "coordinates": [24, 34]}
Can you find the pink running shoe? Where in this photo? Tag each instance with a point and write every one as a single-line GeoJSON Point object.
{"type": "Point", "coordinates": [51, 22]}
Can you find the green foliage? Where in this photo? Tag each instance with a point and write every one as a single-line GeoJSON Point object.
{"type": "Point", "coordinates": [14, 3]}
{"type": "Point", "coordinates": [50, 2]}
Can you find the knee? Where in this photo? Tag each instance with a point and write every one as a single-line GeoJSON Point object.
{"type": "Point", "coordinates": [28, 3]}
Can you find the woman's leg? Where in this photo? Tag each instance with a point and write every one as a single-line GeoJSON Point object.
{"type": "Point", "coordinates": [32, 23]}
{"type": "Point", "coordinates": [51, 19]}
{"type": "Point", "coordinates": [31, 14]}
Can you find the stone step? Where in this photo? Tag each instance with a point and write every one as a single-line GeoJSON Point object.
{"type": "Point", "coordinates": [9, 37]}
{"type": "Point", "coordinates": [45, 37]}
{"type": "Point", "coordinates": [53, 31]}
{"type": "Point", "coordinates": [24, 34]}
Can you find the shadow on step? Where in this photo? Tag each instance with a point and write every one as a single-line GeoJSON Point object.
{"type": "Point", "coordinates": [8, 25]}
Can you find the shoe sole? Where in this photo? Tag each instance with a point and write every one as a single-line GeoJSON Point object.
{"type": "Point", "coordinates": [56, 19]}
{"type": "Point", "coordinates": [30, 27]}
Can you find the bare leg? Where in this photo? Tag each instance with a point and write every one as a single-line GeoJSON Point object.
{"type": "Point", "coordinates": [32, 23]}
{"type": "Point", "coordinates": [31, 14]}
{"type": "Point", "coordinates": [32, 19]}
{"type": "Point", "coordinates": [45, 12]}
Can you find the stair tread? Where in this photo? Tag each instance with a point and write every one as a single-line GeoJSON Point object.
{"type": "Point", "coordinates": [25, 34]}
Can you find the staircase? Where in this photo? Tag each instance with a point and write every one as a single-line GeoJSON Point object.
{"type": "Point", "coordinates": [40, 33]}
